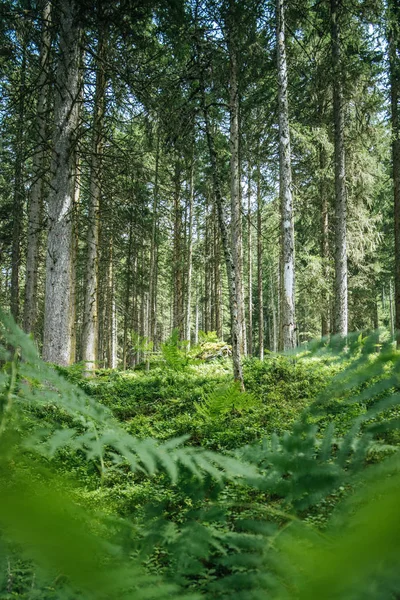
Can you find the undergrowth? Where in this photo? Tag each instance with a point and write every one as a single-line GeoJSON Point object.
{"type": "Point", "coordinates": [172, 484]}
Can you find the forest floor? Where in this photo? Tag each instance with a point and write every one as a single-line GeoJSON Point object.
{"type": "Point", "coordinates": [197, 399]}
{"type": "Point", "coordinates": [199, 530]}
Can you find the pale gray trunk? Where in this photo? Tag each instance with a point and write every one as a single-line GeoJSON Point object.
{"type": "Point", "coordinates": [112, 313]}
{"type": "Point", "coordinates": [394, 73]}
{"type": "Point", "coordinates": [287, 337]}
{"type": "Point", "coordinates": [35, 205]}
{"type": "Point", "coordinates": [57, 339]}
{"type": "Point", "coordinates": [19, 192]}
{"type": "Point", "coordinates": [275, 313]}
{"type": "Point", "coordinates": [250, 268]}
{"type": "Point", "coordinates": [230, 268]}
{"type": "Point", "coordinates": [177, 282]}
{"type": "Point", "coordinates": [391, 309]}
{"type": "Point", "coordinates": [236, 208]}
{"type": "Point", "coordinates": [236, 330]}
{"type": "Point", "coordinates": [90, 313]}
{"type": "Point", "coordinates": [190, 255]}
{"type": "Point", "coordinates": [127, 296]}
{"type": "Point", "coordinates": [259, 267]}
{"type": "Point", "coordinates": [325, 304]}
{"type": "Point", "coordinates": [153, 254]}
{"type": "Point", "coordinates": [217, 282]}
{"type": "Point", "coordinates": [341, 311]}
{"type": "Point", "coordinates": [74, 251]}
{"type": "Point", "coordinates": [196, 320]}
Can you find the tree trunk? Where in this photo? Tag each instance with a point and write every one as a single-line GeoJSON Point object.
{"type": "Point", "coordinates": [206, 309]}
{"type": "Point", "coordinates": [35, 206]}
{"type": "Point", "coordinates": [90, 315]}
{"type": "Point", "coordinates": [153, 253]}
{"type": "Point", "coordinates": [325, 309]}
{"type": "Point", "coordinates": [127, 296]}
{"type": "Point", "coordinates": [19, 193]}
{"type": "Point", "coordinates": [259, 267]}
{"type": "Point", "coordinates": [236, 208]}
{"type": "Point", "coordinates": [287, 337]}
{"type": "Point", "coordinates": [394, 74]}
{"type": "Point", "coordinates": [57, 338]}
{"type": "Point", "coordinates": [74, 258]}
{"type": "Point", "coordinates": [341, 311]}
{"type": "Point", "coordinates": [177, 258]}
{"type": "Point", "coordinates": [190, 256]}
{"type": "Point", "coordinates": [249, 267]}
{"type": "Point", "coordinates": [217, 280]}
{"type": "Point", "coordinates": [230, 267]}
{"type": "Point", "coordinates": [391, 310]}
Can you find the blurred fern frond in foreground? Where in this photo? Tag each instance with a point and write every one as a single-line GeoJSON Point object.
{"type": "Point", "coordinates": [230, 525]}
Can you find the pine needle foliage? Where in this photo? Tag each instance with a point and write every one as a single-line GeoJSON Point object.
{"type": "Point", "coordinates": [202, 540]}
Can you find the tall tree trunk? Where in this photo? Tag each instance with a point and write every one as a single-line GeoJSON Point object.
{"type": "Point", "coordinates": [341, 310]}
{"type": "Point", "coordinates": [325, 309]}
{"type": "Point", "coordinates": [35, 204]}
{"type": "Point", "coordinates": [74, 258]}
{"type": "Point", "coordinates": [394, 73]}
{"type": "Point", "coordinates": [127, 296]}
{"type": "Point", "coordinates": [287, 337]}
{"type": "Point", "coordinates": [90, 313]}
{"type": "Point", "coordinates": [259, 267]}
{"type": "Point", "coordinates": [236, 207]}
{"type": "Point", "coordinates": [217, 280]}
{"type": "Point", "coordinates": [391, 310]}
{"type": "Point", "coordinates": [177, 250]}
{"type": "Point", "coordinates": [230, 267]}
{"type": "Point", "coordinates": [19, 193]}
{"type": "Point", "coordinates": [57, 339]}
{"type": "Point", "coordinates": [153, 253]}
{"type": "Point", "coordinates": [206, 322]}
{"type": "Point", "coordinates": [249, 267]}
{"type": "Point", "coordinates": [190, 258]}
{"type": "Point", "coordinates": [275, 318]}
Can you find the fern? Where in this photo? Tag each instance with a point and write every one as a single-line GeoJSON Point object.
{"type": "Point", "coordinates": [224, 399]}
{"type": "Point", "coordinates": [173, 352]}
{"type": "Point", "coordinates": [214, 543]}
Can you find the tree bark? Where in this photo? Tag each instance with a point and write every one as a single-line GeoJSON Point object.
{"type": "Point", "coordinates": [190, 258]}
{"type": "Point", "coordinates": [236, 208]}
{"type": "Point", "coordinates": [127, 295]}
{"type": "Point", "coordinates": [287, 337]}
{"type": "Point", "coordinates": [178, 317]}
{"type": "Point", "coordinates": [74, 258]}
{"type": "Point", "coordinates": [217, 280]}
{"type": "Point", "coordinates": [325, 309]}
{"type": "Point", "coordinates": [341, 310]}
{"type": "Point", "coordinates": [153, 253]}
{"type": "Point", "coordinates": [19, 193]}
{"type": "Point", "coordinates": [90, 314]}
{"type": "Point", "coordinates": [35, 205]}
{"type": "Point", "coordinates": [259, 267]}
{"type": "Point", "coordinates": [394, 74]}
{"type": "Point", "coordinates": [250, 268]}
{"type": "Point", "coordinates": [57, 338]}
{"type": "Point", "coordinates": [230, 267]}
